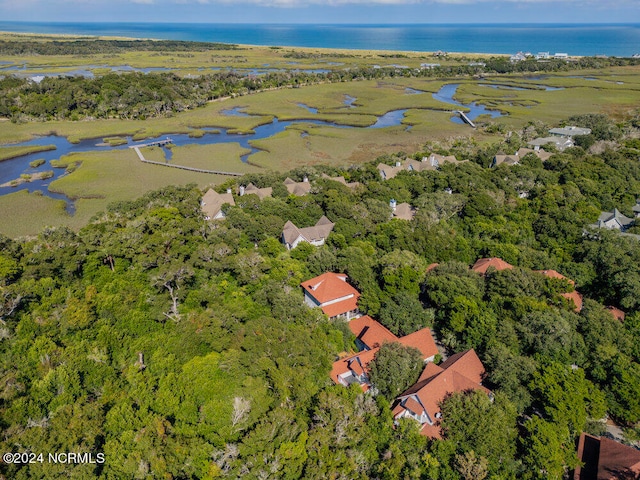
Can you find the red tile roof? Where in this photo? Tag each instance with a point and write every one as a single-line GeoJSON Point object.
{"type": "Point", "coordinates": [340, 308]}
{"type": "Point", "coordinates": [617, 313]}
{"type": "Point", "coordinates": [370, 332]}
{"type": "Point", "coordinates": [483, 264]}
{"type": "Point", "coordinates": [606, 459]}
{"type": "Point", "coordinates": [423, 341]}
{"type": "Point", "coordinates": [554, 274]}
{"type": "Point", "coordinates": [329, 286]}
{"type": "Point", "coordinates": [459, 373]}
{"type": "Point", "coordinates": [431, 266]}
{"type": "Point", "coordinates": [576, 298]}
{"type": "Point", "coordinates": [351, 363]}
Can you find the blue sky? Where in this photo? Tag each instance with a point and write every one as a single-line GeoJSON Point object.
{"type": "Point", "coordinates": [323, 11]}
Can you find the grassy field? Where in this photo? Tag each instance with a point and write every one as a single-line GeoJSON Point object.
{"type": "Point", "coordinates": [27, 213]}
{"type": "Point", "coordinates": [223, 157]}
{"type": "Point", "coordinates": [549, 98]}
{"type": "Point", "coordinates": [7, 153]}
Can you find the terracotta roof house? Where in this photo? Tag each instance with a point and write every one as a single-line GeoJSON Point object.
{"type": "Point", "coordinates": [617, 313]}
{"type": "Point", "coordinates": [316, 235]}
{"type": "Point", "coordinates": [431, 266]}
{"type": "Point", "coordinates": [555, 274]}
{"type": "Point", "coordinates": [484, 264]}
{"type": "Point", "coordinates": [605, 459]}
{"type": "Point", "coordinates": [354, 369]}
{"type": "Point", "coordinates": [369, 333]}
{"type": "Point", "coordinates": [250, 189]}
{"type": "Point", "coordinates": [403, 211]}
{"type": "Point", "coordinates": [515, 158]}
{"type": "Point", "coordinates": [574, 296]}
{"type": "Point", "coordinates": [370, 336]}
{"type": "Point", "coordinates": [423, 341]}
{"type": "Point", "coordinates": [212, 203]}
{"type": "Point", "coordinates": [341, 180]}
{"type": "Point", "coordinates": [615, 220]}
{"type": "Point", "coordinates": [459, 373]}
{"type": "Point", "coordinates": [297, 188]}
{"type": "Point", "coordinates": [332, 293]}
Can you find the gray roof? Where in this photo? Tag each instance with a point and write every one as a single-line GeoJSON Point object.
{"type": "Point", "coordinates": [570, 131]}
{"type": "Point", "coordinates": [636, 207]}
{"type": "Point", "coordinates": [617, 217]}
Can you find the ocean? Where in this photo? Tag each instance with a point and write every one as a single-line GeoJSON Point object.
{"type": "Point", "coordinates": [573, 39]}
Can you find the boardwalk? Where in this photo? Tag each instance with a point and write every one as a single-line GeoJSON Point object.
{"type": "Point", "coordinates": [465, 118]}
{"type": "Point", "coordinates": [182, 167]}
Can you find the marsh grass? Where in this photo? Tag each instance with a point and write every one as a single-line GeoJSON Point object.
{"type": "Point", "coordinates": [7, 153]}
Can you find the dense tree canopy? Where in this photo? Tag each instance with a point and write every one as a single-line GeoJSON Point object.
{"type": "Point", "coordinates": [181, 348]}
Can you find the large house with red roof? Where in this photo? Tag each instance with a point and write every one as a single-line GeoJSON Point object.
{"type": "Point", "coordinates": [332, 293]}
{"type": "Point", "coordinates": [370, 336]}
{"type": "Point", "coordinates": [484, 264]}
{"type": "Point", "coordinates": [459, 373]}
{"type": "Point", "coordinates": [605, 459]}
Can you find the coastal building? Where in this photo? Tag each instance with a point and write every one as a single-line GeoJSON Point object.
{"type": "Point", "coordinates": [212, 203]}
{"type": "Point", "coordinates": [517, 156]}
{"type": "Point", "coordinates": [614, 220]}
{"type": "Point", "coordinates": [559, 142]}
{"type": "Point", "coordinates": [341, 179]}
{"type": "Point", "coordinates": [459, 373]}
{"type": "Point", "coordinates": [573, 296]}
{"type": "Point", "coordinates": [570, 131]}
{"type": "Point", "coordinates": [617, 313]}
{"type": "Point", "coordinates": [332, 293]}
{"type": "Point", "coordinates": [297, 188]}
{"type": "Point", "coordinates": [251, 189]}
{"type": "Point", "coordinates": [370, 336]}
{"type": "Point", "coordinates": [316, 235]}
{"type": "Point", "coordinates": [387, 171]}
{"type": "Point", "coordinates": [431, 162]}
{"type": "Point", "coordinates": [518, 57]}
{"type": "Point", "coordinates": [402, 211]}
{"type": "Point", "coordinates": [604, 459]}
{"type": "Point", "coordinates": [484, 264]}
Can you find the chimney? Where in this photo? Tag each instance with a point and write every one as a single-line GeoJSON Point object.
{"type": "Point", "coordinates": [398, 164]}
{"type": "Point", "coordinates": [241, 190]}
{"type": "Point", "coordinates": [393, 204]}
{"type": "Point", "coordinates": [305, 179]}
{"type": "Point", "coordinates": [228, 190]}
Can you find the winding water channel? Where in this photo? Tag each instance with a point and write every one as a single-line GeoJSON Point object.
{"type": "Point", "coordinates": [13, 168]}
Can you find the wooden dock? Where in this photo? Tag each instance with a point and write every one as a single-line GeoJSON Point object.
{"type": "Point", "coordinates": [182, 167]}
{"type": "Point", "coordinates": [465, 118]}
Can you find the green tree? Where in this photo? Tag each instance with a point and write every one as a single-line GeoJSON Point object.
{"type": "Point", "coordinates": [394, 369]}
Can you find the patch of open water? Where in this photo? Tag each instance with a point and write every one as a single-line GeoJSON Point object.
{"type": "Point", "coordinates": [13, 168]}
